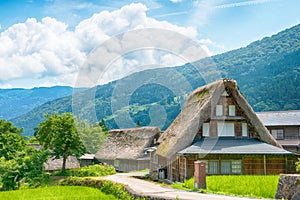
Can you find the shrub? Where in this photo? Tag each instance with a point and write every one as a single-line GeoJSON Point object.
{"type": "Point", "coordinates": [107, 187]}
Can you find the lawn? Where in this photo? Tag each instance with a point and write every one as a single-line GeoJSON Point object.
{"type": "Point", "coordinates": [56, 192]}
{"type": "Point", "coordinates": [250, 186]}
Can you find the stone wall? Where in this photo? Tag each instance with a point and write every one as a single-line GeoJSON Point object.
{"type": "Point", "coordinates": [288, 187]}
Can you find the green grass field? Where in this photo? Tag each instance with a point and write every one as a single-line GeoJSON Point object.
{"type": "Point", "coordinates": [250, 186]}
{"type": "Point", "coordinates": [56, 192]}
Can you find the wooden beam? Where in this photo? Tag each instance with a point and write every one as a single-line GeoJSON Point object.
{"type": "Point", "coordinates": [265, 165]}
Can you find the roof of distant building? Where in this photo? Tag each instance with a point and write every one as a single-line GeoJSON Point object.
{"type": "Point", "coordinates": [280, 118]}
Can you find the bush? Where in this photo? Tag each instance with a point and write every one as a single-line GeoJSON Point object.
{"type": "Point", "coordinates": [107, 187]}
{"type": "Point", "coordinates": [92, 170]}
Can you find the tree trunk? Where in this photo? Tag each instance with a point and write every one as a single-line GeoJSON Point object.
{"type": "Point", "coordinates": [63, 169]}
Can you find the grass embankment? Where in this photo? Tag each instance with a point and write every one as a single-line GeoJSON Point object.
{"type": "Point", "coordinates": [57, 192]}
{"type": "Point", "coordinates": [250, 186]}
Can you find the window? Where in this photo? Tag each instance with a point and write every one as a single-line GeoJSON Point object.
{"type": "Point", "coordinates": [212, 167]}
{"type": "Point", "coordinates": [226, 129]}
{"type": "Point", "coordinates": [205, 129]}
{"type": "Point", "coordinates": [299, 133]}
{"type": "Point", "coordinates": [236, 167]}
{"type": "Point", "coordinates": [244, 130]}
{"type": "Point", "coordinates": [231, 110]}
{"type": "Point", "coordinates": [116, 163]}
{"type": "Point", "coordinates": [277, 133]}
{"type": "Point", "coordinates": [219, 110]}
{"type": "Point", "coordinates": [225, 167]}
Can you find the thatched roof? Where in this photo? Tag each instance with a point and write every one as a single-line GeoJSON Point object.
{"type": "Point", "coordinates": [53, 164]}
{"type": "Point", "coordinates": [127, 143]}
{"type": "Point", "coordinates": [197, 110]}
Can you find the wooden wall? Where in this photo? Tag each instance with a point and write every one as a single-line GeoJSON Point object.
{"type": "Point", "coordinates": [251, 165]}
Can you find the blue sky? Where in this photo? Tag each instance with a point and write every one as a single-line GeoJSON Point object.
{"type": "Point", "coordinates": [36, 34]}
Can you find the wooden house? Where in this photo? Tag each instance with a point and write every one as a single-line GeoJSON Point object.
{"type": "Point", "coordinates": [284, 126]}
{"type": "Point", "coordinates": [55, 164]}
{"type": "Point", "coordinates": [129, 149]}
{"type": "Point", "coordinates": [87, 159]}
{"type": "Point", "coordinates": [219, 127]}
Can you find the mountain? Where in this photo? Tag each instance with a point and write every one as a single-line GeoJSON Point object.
{"type": "Point", "coordinates": [267, 72]}
{"type": "Point", "coordinates": [16, 102]}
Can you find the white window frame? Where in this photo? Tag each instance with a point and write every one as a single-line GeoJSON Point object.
{"type": "Point", "coordinates": [244, 129]}
{"type": "Point", "coordinates": [219, 110]}
{"type": "Point", "coordinates": [231, 110]}
{"type": "Point", "coordinates": [225, 129]}
{"type": "Point", "coordinates": [205, 130]}
{"type": "Point", "coordinates": [236, 166]}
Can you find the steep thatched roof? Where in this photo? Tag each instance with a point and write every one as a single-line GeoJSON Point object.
{"type": "Point", "coordinates": [197, 110]}
{"type": "Point", "coordinates": [53, 164]}
{"type": "Point", "coordinates": [127, 143]}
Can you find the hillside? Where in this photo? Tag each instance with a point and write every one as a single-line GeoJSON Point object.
{"type": "Point", "coordinates": [15, 102]}
{"type": "Point", "coordinates": [267, 72]}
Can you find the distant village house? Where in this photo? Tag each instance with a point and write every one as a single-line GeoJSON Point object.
{"type": "Point", "coordinates": [129, 149]}
{"type": "Point", "coordinates": [284, 127]}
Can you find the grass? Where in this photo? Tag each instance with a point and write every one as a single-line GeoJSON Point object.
{"type": "Point", "coordinates": [250, 186]}
{"type": "Point", "coordinates": [57, 192]}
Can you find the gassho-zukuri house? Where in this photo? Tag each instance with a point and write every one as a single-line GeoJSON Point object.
{"type": "Point", "coordinates": [219, 127]}
{"type": "Point", "coordinates": [129, 149]}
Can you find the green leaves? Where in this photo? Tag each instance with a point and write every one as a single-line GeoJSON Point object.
{"type": "Point", "coordinates": [17, 160]}
{"type": "Point", "coordinates": [58, 133]}
{"type": "Point", "coordinates": [92, 135]}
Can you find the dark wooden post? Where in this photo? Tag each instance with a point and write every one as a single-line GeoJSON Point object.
{"type": "Point", "coordinates": [200, 174]}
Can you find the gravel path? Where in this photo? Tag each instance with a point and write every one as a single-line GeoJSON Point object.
{"type": "Point", "coordinates": [151, 189]}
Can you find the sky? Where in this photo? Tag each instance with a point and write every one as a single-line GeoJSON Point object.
{"type": "Point", "coordinates": [46, 42]}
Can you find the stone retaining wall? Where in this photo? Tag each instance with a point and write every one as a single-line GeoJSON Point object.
{"type": "Point", "coordinates": [288, 187]}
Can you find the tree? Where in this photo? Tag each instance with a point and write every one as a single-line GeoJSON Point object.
{"type": "Point", "coordinates": [92, 135]}
{"type": "Point", "coordinates": [18, 161]}
{"type": "Point", "coordinates": [11, 140]}
{"type": "Point", "coordinates": [58, 133]}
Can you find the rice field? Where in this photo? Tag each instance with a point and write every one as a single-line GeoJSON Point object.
{"type": "Point", "coordinates": [56, 192]}
{"type": "Point", "coordinates": [249, 186]}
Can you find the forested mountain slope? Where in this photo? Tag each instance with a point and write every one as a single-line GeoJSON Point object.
{"type": "Point", "coordinates": [15, 102]}
{"type": "Point", "coordinates": [267, 72]}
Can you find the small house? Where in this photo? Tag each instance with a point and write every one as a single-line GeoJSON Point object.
{"type": "Point", "coordinates": [129, 149]}
{"type": "Point", "coordinates": [219, 127]}
{"type": "Point", "coordinates": [284, 127]}
{"type": "Point", "coordinates": [87, 159]}
{"type": "Point", "coordinates": [55, 164]}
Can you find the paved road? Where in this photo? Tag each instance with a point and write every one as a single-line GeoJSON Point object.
{"type": "Point", "coordinates": [148, 188]}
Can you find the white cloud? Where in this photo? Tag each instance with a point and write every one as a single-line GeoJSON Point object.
{"type": "Point", "coordinates": [48, 53]}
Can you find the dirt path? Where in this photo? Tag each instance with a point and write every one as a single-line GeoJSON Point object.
{"type": "Point", "coordinates": [148, 188]}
